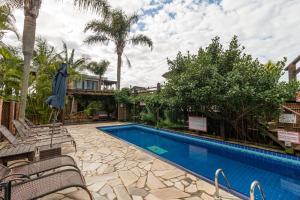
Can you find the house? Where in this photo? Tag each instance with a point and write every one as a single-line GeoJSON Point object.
{"type": "Point", "coordinates": [88, 88]}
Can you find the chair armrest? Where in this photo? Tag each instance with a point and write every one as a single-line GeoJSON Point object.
{"type": "Point", "coordinates": [18, 177]}
{"type": "Point", "coordinates": [18, 162]}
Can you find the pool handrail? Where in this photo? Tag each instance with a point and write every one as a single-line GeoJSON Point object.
{"type": "Point", "coordinates": [255, 184]}
{"type": "Point", "coordinates": [218, 171]}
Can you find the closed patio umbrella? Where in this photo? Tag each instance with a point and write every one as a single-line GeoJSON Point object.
{"type": "Point", "coordinates": [59, 87]}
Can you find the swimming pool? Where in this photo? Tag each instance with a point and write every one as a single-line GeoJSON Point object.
{"type": "Point", "coordinates": [279, 174]}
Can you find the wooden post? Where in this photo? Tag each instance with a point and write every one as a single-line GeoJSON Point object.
{"type": "Point", "coordinates": [11, 116]}
{"type": "Point", "coordinates": [17, 110]}
{"type": "Point", "coordinates": [1, 108]}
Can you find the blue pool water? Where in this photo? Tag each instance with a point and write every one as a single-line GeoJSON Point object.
{"type": "Point", "coordinates": [278, 174]}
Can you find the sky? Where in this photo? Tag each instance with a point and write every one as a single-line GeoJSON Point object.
{"type": "Point", "coordinates": [269, 30]}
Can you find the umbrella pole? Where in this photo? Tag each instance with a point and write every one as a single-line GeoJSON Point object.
{"type": "Point", "coordinates": [56, 112]}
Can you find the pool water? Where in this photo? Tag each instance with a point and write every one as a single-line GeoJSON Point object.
{"type": "Point", "coordinates": [278, 174]}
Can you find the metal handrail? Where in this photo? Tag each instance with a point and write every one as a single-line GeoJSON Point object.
{"type": "Point", "coordinates": [252, 189]}
{"type": "Point", "coordinates": [217, 194]}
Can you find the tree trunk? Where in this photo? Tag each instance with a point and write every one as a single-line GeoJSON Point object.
{"type": "Point", "coordinates": [31, 10]}
{"type": "Point", "coordinates": [119, 71]}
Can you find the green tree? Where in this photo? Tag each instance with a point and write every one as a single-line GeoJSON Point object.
{"type": "Point", "coordinates": [31, 12]}
{"type": "Point", "coordinates": [116, 28]}
{"type": "Point", "coordinates": [7, 21]}
{"type": "Point", "coordinates": [98, 68]}
{"type": "Point", "coordinates": [10, 72]}
{"type": "Point", "coordinates": [228, 84]}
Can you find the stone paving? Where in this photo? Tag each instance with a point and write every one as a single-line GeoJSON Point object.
{"type": "Point", "coordinates": [115, 170]}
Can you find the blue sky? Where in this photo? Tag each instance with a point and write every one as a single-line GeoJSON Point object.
{"type": "Point", "coordinates": [269, 29]}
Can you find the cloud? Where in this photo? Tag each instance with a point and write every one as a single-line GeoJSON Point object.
{"type": "Point", "coordinates": [268, 29]}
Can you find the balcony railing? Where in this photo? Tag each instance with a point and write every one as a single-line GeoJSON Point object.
{"type": "Point", "coordinates": [103, 91]}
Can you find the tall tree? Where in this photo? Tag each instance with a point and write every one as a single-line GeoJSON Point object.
{"type": "Point", "coordinates": [31, 12]}
{"type": "Point", "coordinates": [116, 28]}
{"type": "Point", "coordinates": [98, 68]}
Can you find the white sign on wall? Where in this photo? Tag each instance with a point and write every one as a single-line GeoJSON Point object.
{"type": "Point", "coordinates": [198, 123]}
{"type": "Point", "coordinates": [287, 118]}
{"type": "Point", "coordinates": [289, 136]}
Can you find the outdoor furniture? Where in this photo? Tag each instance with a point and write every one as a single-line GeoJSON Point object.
{"type": "Point", "coordinates": [47, 147]}
{"type": "Point", "coordinates": [43, 185]}
{"type": "Point", "coordinates": [21, 151]}
{"type": "Point", "coordinates": [42, 129]}
{"type": "Point", "coordinates": [25, 133]}
{"type": "Point", "coordinates": [28, 169]}
{"type": "Point", "coordinates": [32, 125]}
{"type": "Point", "coordinates": [38, 140]}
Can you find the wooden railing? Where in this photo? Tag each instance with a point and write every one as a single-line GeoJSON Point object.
{"type": "Point", "coordinates": [90, 92]}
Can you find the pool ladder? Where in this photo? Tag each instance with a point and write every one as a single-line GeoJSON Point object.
{"type": "Point", "coordinates": [254, 184]}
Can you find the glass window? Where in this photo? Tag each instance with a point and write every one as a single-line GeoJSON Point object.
{"type": "Point", "coordinates": [78, 84]}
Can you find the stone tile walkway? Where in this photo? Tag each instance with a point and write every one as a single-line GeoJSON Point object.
{"type": "Point", "coordinates": [115, 170]}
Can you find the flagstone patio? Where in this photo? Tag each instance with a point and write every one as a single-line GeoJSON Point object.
{"type": "Point", "coordinates": [115, 170]}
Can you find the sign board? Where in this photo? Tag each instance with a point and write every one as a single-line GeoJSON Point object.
{"type": "Point", "coordinates": [289, 136]}
{"type": "Point", "coordinates": [198, 123]}
{"type": "Point", "coordinates": [287, 118]}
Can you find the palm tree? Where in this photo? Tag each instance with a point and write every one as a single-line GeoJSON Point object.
{"type": "Point", "coordinates": [116, 28]}
{"type": "Point", "coordinates": [75, 64]}
{"type": "Point", "coordinates": [31, 12]}
{"type": "Point", "coordinates": [98, 68]}
{"type": "Point", "coordinates": [7, 21]}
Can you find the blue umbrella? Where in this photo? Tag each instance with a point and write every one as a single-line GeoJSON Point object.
{"type": "Point", "coordinates": [59, 86]}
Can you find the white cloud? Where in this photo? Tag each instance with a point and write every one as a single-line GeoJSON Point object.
{"type": "Point", "coordinates": [268, 30]}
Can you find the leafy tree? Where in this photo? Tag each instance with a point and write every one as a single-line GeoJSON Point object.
{"type": "Point", "coordinates": [7, 21]}
{"type": "Point", "coordinates": [123, 96]}
{"type": "Point", "coordinates": [45, 64]}
{"type": "Point", "coordinates": [116, 28]}
{"type": "Point", "coordinates": [10, 72]}
{"type": "Point", "coordinates": [31, 12]}
{"type": "Point", "coordinates": [227, 84]}
{"type": "Point", "coordinates": [98, 68]}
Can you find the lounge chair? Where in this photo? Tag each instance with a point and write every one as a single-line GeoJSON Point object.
{"type": "Point", "coordinates": [44, 139]}
{"type": "Point", "coordinates": [24, 132]}
{"type": "Point", "coordinates": [42, 128]}
{"type": "Point", "coordinates": [29, 135]}
{"type": "Point", "coordinates": [32, 125]}
{"type": "Point", "coordinates": [28, 169]}
{"type": "Point", "coordinates": [37, 141]}
{"type": "Point", "coordinates": [44, 185]}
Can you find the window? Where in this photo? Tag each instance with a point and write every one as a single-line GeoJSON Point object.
{"type": "Point", "coordinates": [78, 84]}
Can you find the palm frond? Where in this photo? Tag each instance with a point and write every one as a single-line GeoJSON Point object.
{"type": "Point", "coordinates": [7, 21]}
{"type": "Point", "coordinates": [141, 40]}
{"type": "Point", "coordinates": [128, 61]}
{"type": "Point", "coordinates": [65, 51]}
{"type": "Point", "coordinates": [99, 6]}
{"type": "Point", "coordinates": [12, 3]}
{"type": "Point", "coordinates": [133, 19]}
{"type": "Point", "coordinates": [71, 59]}
{"type": "Point", "coordinates": [92, 39]}
{"type": "Point", "coordinates": [98, 27]}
